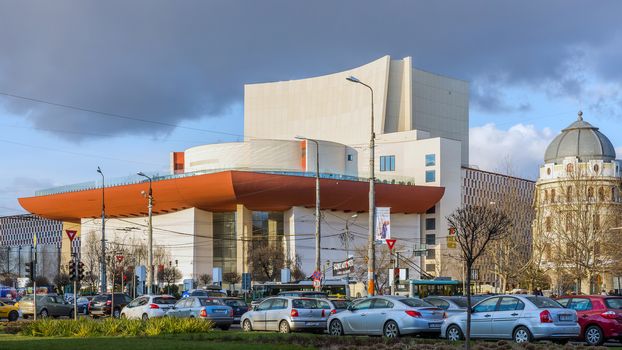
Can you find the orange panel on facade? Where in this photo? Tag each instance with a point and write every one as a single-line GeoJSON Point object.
{"type": "Point", "coordinates": [224, 190]}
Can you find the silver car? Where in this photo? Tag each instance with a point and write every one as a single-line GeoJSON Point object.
{"type": "Point", "coordinates": [451, 305]}
{"type": "Point", "coordinates": [286, 314]}
{"type": "Point", "coordinates": [520, 317]}
{"type": "Point", "coordinates": [390, 316]}
{"type": "Point", "coordinates": [206, 308]}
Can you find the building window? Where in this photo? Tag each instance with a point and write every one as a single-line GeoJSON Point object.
{"type": "Point", "coordinates": [601, 194]}
{"type": "Point", "coordinates": [547, 224]}
{"type": "Point", "coordinates": [430, 268]}
{"type": "Point", "coordinates": [430, 239]}
{"type": "Point", "coordinates": [387, 163]}
{"type": "Point", "coordinates": [430, 159]}
{"type": "Point", "coordinates": [552, 195]}
{"type": "Point", "coordinates": [431, 254]}
{"type": "Point", "coordinates": [569, 168]}
{"type": "Point", "coordinates": [546, 195]}
{"type": "Point", "coordinates": [430, 176]}
{"type": "Point", "coordinates": [569, 194]}
{"type": "Point", "coordinates": [596, 222]}
{"type": "Point", "coordinates": [613, 194]}
{"type": "Point", "coordinates": [432, 210]}
{"type": "Point", "coordinates": [590, 193]}
{"type": "Point", "coordinates": [350, 157]}
{"type": "Point", "coordinates": [430, 224]}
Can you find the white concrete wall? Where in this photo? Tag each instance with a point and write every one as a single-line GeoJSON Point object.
{"type": "Point", "coordinates": [301, 227]}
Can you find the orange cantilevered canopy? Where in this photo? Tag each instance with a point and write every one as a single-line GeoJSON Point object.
{"type": "Point", "coordinates": [222, 191]}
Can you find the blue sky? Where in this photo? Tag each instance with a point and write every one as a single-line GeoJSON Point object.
{"type": "Point", "coordinates": [531, 66]}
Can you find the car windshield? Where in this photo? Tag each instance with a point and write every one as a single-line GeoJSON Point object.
{"type": "Point", "coordinates": [209, 302]}
{"type": "Point", "coordinates": [164, 300]}
{"type": "Point", "coordinates": [306, 304]}
{"type": "Point", "coordinates": [234, 302]}
{"type": "Point", "coordinates": [83, 300]}
{"type": "Point", "coordinates": [341, 304]}
{"type": "Point", "coordinates": [29, 298]}
{"type": "Point", "coordinates": [461, 302]}
{"type": "Point", "coordinates": [99, 298]}
{"type": "Point", "coordinates": [614, 303]}
{"type": "Point", "coordinates": [412, 302]}
{"type": "Point", "coordinates": [544, 303]}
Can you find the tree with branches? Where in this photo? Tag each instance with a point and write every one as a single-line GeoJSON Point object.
{"type": "Point", "coordinates": [232, 278]}
{"type": "Point", "coordinates": [205, 279]}
{"type": "Point", "coordinates": [266, 260]}
{"type": "Point", "coordinates": [475, 228]}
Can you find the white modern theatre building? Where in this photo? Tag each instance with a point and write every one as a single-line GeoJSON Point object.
{"type": "Point", "coordinates": [221, 198]}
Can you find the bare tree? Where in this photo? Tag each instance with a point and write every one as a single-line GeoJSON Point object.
{"type": "Point", "coordinates": [266, 260]}
{"type": "Point", "coordinates": [61, 280]}
{"type": "Point", "coordinates": [476, 227]}
{"type": "Point", "coordinates": [205, 279]}
{"type": "Point", "coordinates": [169, 276]}
{"type": "Point", "coordinates": [232, 278]}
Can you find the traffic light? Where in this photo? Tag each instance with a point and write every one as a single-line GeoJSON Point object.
{"type": "Point", "coordinates": [80, 270]}
{"type": "Point", "coordinates": [30, 271]}
{"type": "Point", "coordinates": [396, 275]}
{"type": "Point", "coordinates": [72, 271]}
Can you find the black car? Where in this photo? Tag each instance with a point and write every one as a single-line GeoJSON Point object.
{"type": "Point", "coordinates": [83, 303]}
{"type": "Point", "coordinates": [101, 304]}
{"type": "Point", "coordinates": [238, 305]}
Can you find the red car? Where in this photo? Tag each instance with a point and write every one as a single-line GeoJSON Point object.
{"type": "Point", "coordinates": [600, 316]}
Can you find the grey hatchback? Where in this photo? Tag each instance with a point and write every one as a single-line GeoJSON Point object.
{"type": "Point", "coordinates": [211, 309]}
{"type": "Point", "coordinates": [47, 305]}
{"type": "Point", "coordinates": [286, 314]}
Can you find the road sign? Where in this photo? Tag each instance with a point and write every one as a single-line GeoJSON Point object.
{"type": "Point", "coordinates": [119, 258]}
{"type": "Point", "coordinates": [246, 281]}
{"type": "Point", "coordinates": [391, 243]}
{"type": "Point", "coordinates": [71, 234]}
{"type": "Point", "coordinates": [316, 275]}
{"type": "Point", "coordinates": [316, 283]}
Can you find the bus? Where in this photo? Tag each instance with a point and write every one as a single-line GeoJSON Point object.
{"type": "Point", "coordinates": [437, 286]}
{"type": "Point", "coordinates": [334, 288]}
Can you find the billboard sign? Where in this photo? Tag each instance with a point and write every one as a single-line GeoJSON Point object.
{"type": "Point", "coordinates": [383, 223]}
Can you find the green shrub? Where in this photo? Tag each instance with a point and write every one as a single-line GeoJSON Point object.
{"type": "Point", "coordinates": [112, 327]}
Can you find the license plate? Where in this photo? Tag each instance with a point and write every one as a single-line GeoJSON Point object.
{"type": "Point", "coordinates": [566, 318]}
{"type": "Point", "coordinates": [435, 325]}
{"type": "Point", "coordinates": [311, 323]}
{"type": "Point", "coordinates": [220, 311]}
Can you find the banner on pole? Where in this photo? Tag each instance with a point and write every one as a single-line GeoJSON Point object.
{"type": "Point", "coordinates": [341, 268]}
{"type": "Point", "coordinates": [383, 223]}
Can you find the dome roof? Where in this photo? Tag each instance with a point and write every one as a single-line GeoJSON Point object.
{"type": "Point", "coordinates": [582, 140]}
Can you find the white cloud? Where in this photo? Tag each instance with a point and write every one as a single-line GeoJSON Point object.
{"type": "Point", "coordinates": [518, 150]}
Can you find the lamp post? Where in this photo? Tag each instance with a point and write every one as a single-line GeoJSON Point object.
{"type": "Point", "coordinates": [149, 238]}
{"type": "Point", "coordinates": [102, 264]}
{"type": "Point", "coordinates": [317, 202]}
{"type": "Point", "coordinates": [371, 261]}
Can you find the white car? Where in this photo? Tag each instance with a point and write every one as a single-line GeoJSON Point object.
{"type": "Point", "coordinates": [148, 306]}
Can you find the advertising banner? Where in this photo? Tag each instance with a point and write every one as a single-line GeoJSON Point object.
{"type": "Point", "coordinates": [383, 223]}
{"type": "Point", "coordinates": [341, 268]}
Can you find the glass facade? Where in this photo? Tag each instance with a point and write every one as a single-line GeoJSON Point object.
{"type": "Point", "coordinates": [224, 241]}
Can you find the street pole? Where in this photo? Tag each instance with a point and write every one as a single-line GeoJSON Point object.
{"type": "Point", "coordinates": [34, 282]}
{"type": "Point", "coordinates": [371, 253]}
{"type": "Point", "coordinates": [102, 265]}
{"type": "Point", "coordinates": [149, 239]}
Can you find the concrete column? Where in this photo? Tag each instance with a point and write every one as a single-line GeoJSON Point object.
{"type": "Point", "coordinates": [243, 235]}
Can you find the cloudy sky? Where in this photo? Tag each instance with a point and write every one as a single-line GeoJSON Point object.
{"type": "Point", "coordinates": [177, 69]}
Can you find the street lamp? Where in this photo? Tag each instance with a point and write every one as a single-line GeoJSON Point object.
{"type": "Point", "coordinates": [102, 264]}
{"type": "Point", "coordinates": [150, 238]}
{"type": "Point", "coordinates": [371, 261]}
{"type": "Point", "coordinates": [317, 202]}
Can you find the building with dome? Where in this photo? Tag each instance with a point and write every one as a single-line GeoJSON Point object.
{"type": "Point", "coordinates": [578, 207]}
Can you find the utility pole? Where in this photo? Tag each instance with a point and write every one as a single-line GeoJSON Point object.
{"type": "Point", "coordinates": [318, 225]}
{"type": "Point", "coordinates": [149, 238]}
{"type": "Point", "coordinates": [102, 264]}
{"type": "Point", "coordinates": [371, 253]}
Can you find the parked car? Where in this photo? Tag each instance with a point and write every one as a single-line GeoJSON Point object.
{"type": "Point", "coordinates": [239, 307]}
{"type": "Point", "coordinates": [101, 305]}
{"type": "Point", "coordinates": [451, 305]}
{"type": "Point", "coordinates": [47, 305]}
{"type": "Point", "coordinates": [211, 293]}
{"type": "Point", "coordinates": [148, 306]}
{"type": "Point", "coordinates": [390, 316]}
{"type": "Point", "coordinates": [339, 305]}
{"type": "Point", "coordinates": [8, 301]}
{"type": "Point", "coordinates": [8, 311]}
{"type": "Point", "coordinates": [600, 317]}
{"type": "Point", "coordinates": [286, 314]}
{"type": "Point", "coordinates": [520, 317]}
{"type": "Point", "coordinates": [303, 294]}
{"type": "Point", "coordinates": [212, 309]}
{"type": "Point", "coordinates": [83, 303]}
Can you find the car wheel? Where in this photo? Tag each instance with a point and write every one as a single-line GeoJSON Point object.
{"type": "Point", "coordinates": [391, 330]}
{"type": "Point", "coordinates": [522, 335]}
{"type": "Point", "coordinates": [284, 327]}
{"type": "Point", "coordinates": [145, 317]}
{"type": "Point", "coordinates": [123, 316]}
{"type": "Point", "coordinates": [594, 336]}
{"type": "Point", "coordinates": [25, 317]}
{"type": "Point", "coordinates": [246, 326]}
{"type": "Point", "coordinates": [44, 313]}
{"type": "Point", "coordinates": [454, 333]}
{"type": "Point", "coordinates": [116, 313]}
{"type": "Point", "coordinates": [336, 328]}
{"type": "Point", "coordinates": [13, 316]}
